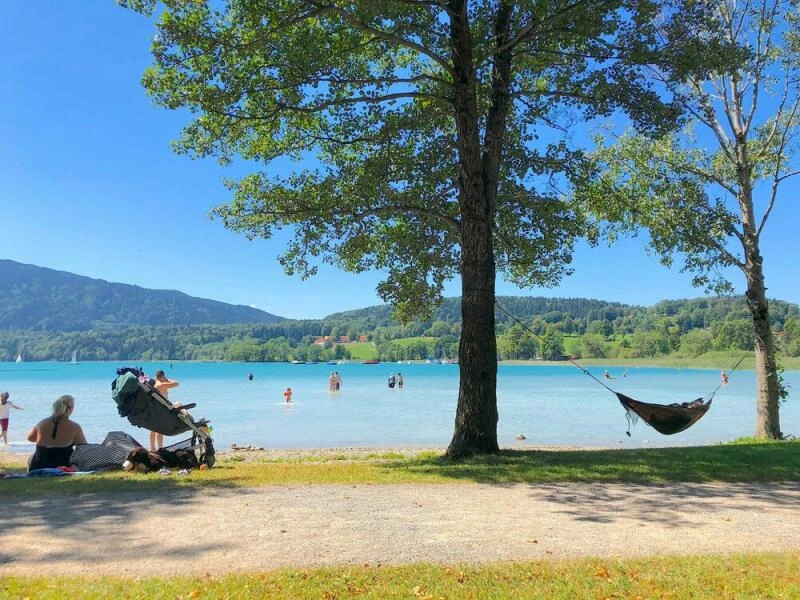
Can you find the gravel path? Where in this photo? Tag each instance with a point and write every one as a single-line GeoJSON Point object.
{"type": "Point", "coordinates": [183, 531]}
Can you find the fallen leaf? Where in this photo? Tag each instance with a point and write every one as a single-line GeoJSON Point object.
{"type": "Point", "coordinates": [602, 572]}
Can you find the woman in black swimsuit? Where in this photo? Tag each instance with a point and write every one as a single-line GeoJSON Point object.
{"type": "Point", "coordinates": [56, 436]}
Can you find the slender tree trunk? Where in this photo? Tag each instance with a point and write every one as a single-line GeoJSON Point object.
{"type": "Point", "coordinates": [476, 414]}
{"type": "Point", "coordinates": [767, 413]}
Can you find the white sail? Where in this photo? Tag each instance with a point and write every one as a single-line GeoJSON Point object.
{"type": "Point", "coordinates": [74, 360]}
{"type": "Point", "coordinates": [19, 357]}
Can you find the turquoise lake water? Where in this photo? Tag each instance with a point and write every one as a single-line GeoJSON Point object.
{"type": "Point", "coordinates": [550, 405]}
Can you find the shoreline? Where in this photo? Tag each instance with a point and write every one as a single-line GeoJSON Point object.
{"type": "Point", "coordinates": [251, 453]}
{"type": "Point", "coordinates": [710, 363]}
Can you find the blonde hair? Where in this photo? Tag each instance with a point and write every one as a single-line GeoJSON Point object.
{"type": "Point", "coordinates": [62, 405]}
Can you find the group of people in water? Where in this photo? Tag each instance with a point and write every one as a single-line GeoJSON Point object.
{"type": "Point", "coordinates": [335, 384]}
{"type": "Point", "coordinates": [399, 381]}
{"type": "Point", "coordinates": [608, 375]}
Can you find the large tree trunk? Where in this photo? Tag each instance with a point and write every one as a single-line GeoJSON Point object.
{"type": "Point", "coordinates": [476, 413]}
{"type": "Point", "coordinates": [767, 413]}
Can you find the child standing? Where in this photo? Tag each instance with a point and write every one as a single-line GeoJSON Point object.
{"type": "Point", "coordinates": [5, 408]}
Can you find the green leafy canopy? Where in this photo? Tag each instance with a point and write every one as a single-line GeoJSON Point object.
{"type": "Point", "coordinates": [363, 95]}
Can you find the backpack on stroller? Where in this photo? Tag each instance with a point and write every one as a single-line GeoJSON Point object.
{"type": "Point", "coordinates": [143, 406]}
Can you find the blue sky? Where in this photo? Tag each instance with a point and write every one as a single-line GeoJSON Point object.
{"type": "Point", "coordinates": [89, 184]}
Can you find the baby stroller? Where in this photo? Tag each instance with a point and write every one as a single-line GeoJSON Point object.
{"type": "Point", "coordinates": [143, 406]}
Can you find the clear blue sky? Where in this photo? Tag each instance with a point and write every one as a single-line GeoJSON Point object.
{"type": "Point", "coordinates": [89, 184]}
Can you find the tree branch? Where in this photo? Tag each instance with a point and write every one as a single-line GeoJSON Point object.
{"type": "Point", "coordinates": [384, 35]}
{"type": "Point", "coordinates": [776, 178]}
{"type": "Point", "coordinates": [526, 32]}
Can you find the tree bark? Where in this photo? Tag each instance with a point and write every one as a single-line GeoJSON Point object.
{"type": "Point", "coordinates": [767, 410]}
{"type": "Point", "coordinates": [476, 414]}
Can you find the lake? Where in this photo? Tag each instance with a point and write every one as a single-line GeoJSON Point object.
{"type": "Point", "coordinates": [550, 405]}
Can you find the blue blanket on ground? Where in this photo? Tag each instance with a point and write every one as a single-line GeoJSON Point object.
{"type": "Point", "coordinates": [43, 473]}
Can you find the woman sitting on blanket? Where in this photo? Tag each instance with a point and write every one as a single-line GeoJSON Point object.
{"type": "Point", "coordinates": [56, 436]}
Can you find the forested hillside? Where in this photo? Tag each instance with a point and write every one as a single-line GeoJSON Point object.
{"type": "Point", "coordinates": [36, 298]}
{"type": "Point", "coordinates": [574, 327]}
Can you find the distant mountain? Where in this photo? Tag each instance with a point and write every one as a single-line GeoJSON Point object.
{"type": "Point", "coordinates": [44, 299]}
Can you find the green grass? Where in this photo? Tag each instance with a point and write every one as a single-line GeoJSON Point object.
{"type": "Point", "coordinates": [757, 576]}
{"type": "Point", "coordinates": [743, 461]}
{"type": "Point", "coordinates": [405, 342]}
{"type": "Point", "coordinates": [362, 350]}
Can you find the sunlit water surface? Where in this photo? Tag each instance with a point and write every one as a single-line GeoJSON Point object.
{"type": "Point", "coordinates": [549, 405]}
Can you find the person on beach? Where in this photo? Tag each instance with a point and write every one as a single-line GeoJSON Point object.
{"type": "Point", "coordinates": [287, 395]}
{"type": "Point", "coordinates": [250, 377]}
{"type": "Point", "coordinates": [56, 436]}
{"type": "Point", "coordinates": [391, 380]}
{"type": "Point", "coordinates": [607, 375]}
{"type": "Point", "coordinates": [400, 380]}
{"type": "Point", "coordinates": [337, 383]}
{"type": "Point", "coordinates": [724, 376]}
{"type": "Point", "coordinates": [5, 408]}
{"type": "Point", "coordinates": [162, 385]}
{"type": "Point", "coordinates": [332, 382]}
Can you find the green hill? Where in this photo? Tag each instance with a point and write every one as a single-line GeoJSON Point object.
{"type": "Point", "coordinates": [48, 315]}
{"type": "Point", "coordinates": [36, 298]}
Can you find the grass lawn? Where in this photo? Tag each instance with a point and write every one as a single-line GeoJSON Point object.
{"type": "Point", "coordinates": [758, 576]}
{"type": "Point", "coordinates": [405, 342]}
{"type": "Point", "coordinates": [362, 350]}
{"type": "Point", "coordinates": [743, 461]}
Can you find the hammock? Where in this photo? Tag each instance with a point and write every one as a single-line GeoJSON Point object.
{"type": "Point", "coordinates": [664, 418]}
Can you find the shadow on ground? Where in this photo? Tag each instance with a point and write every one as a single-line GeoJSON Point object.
{"type": "Point", "coordinates": [87, 517]}
{"type": "Point", "coordinates": [757, 462]}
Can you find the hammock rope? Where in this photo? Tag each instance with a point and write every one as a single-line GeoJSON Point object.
{"type": "Point", "coordinates": [666, 419]}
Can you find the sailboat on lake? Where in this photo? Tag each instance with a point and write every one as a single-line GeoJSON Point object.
{"type": "Point", "coordinates": [19, 357]}
{"type": "Point", "coordinates": [74, 360]}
